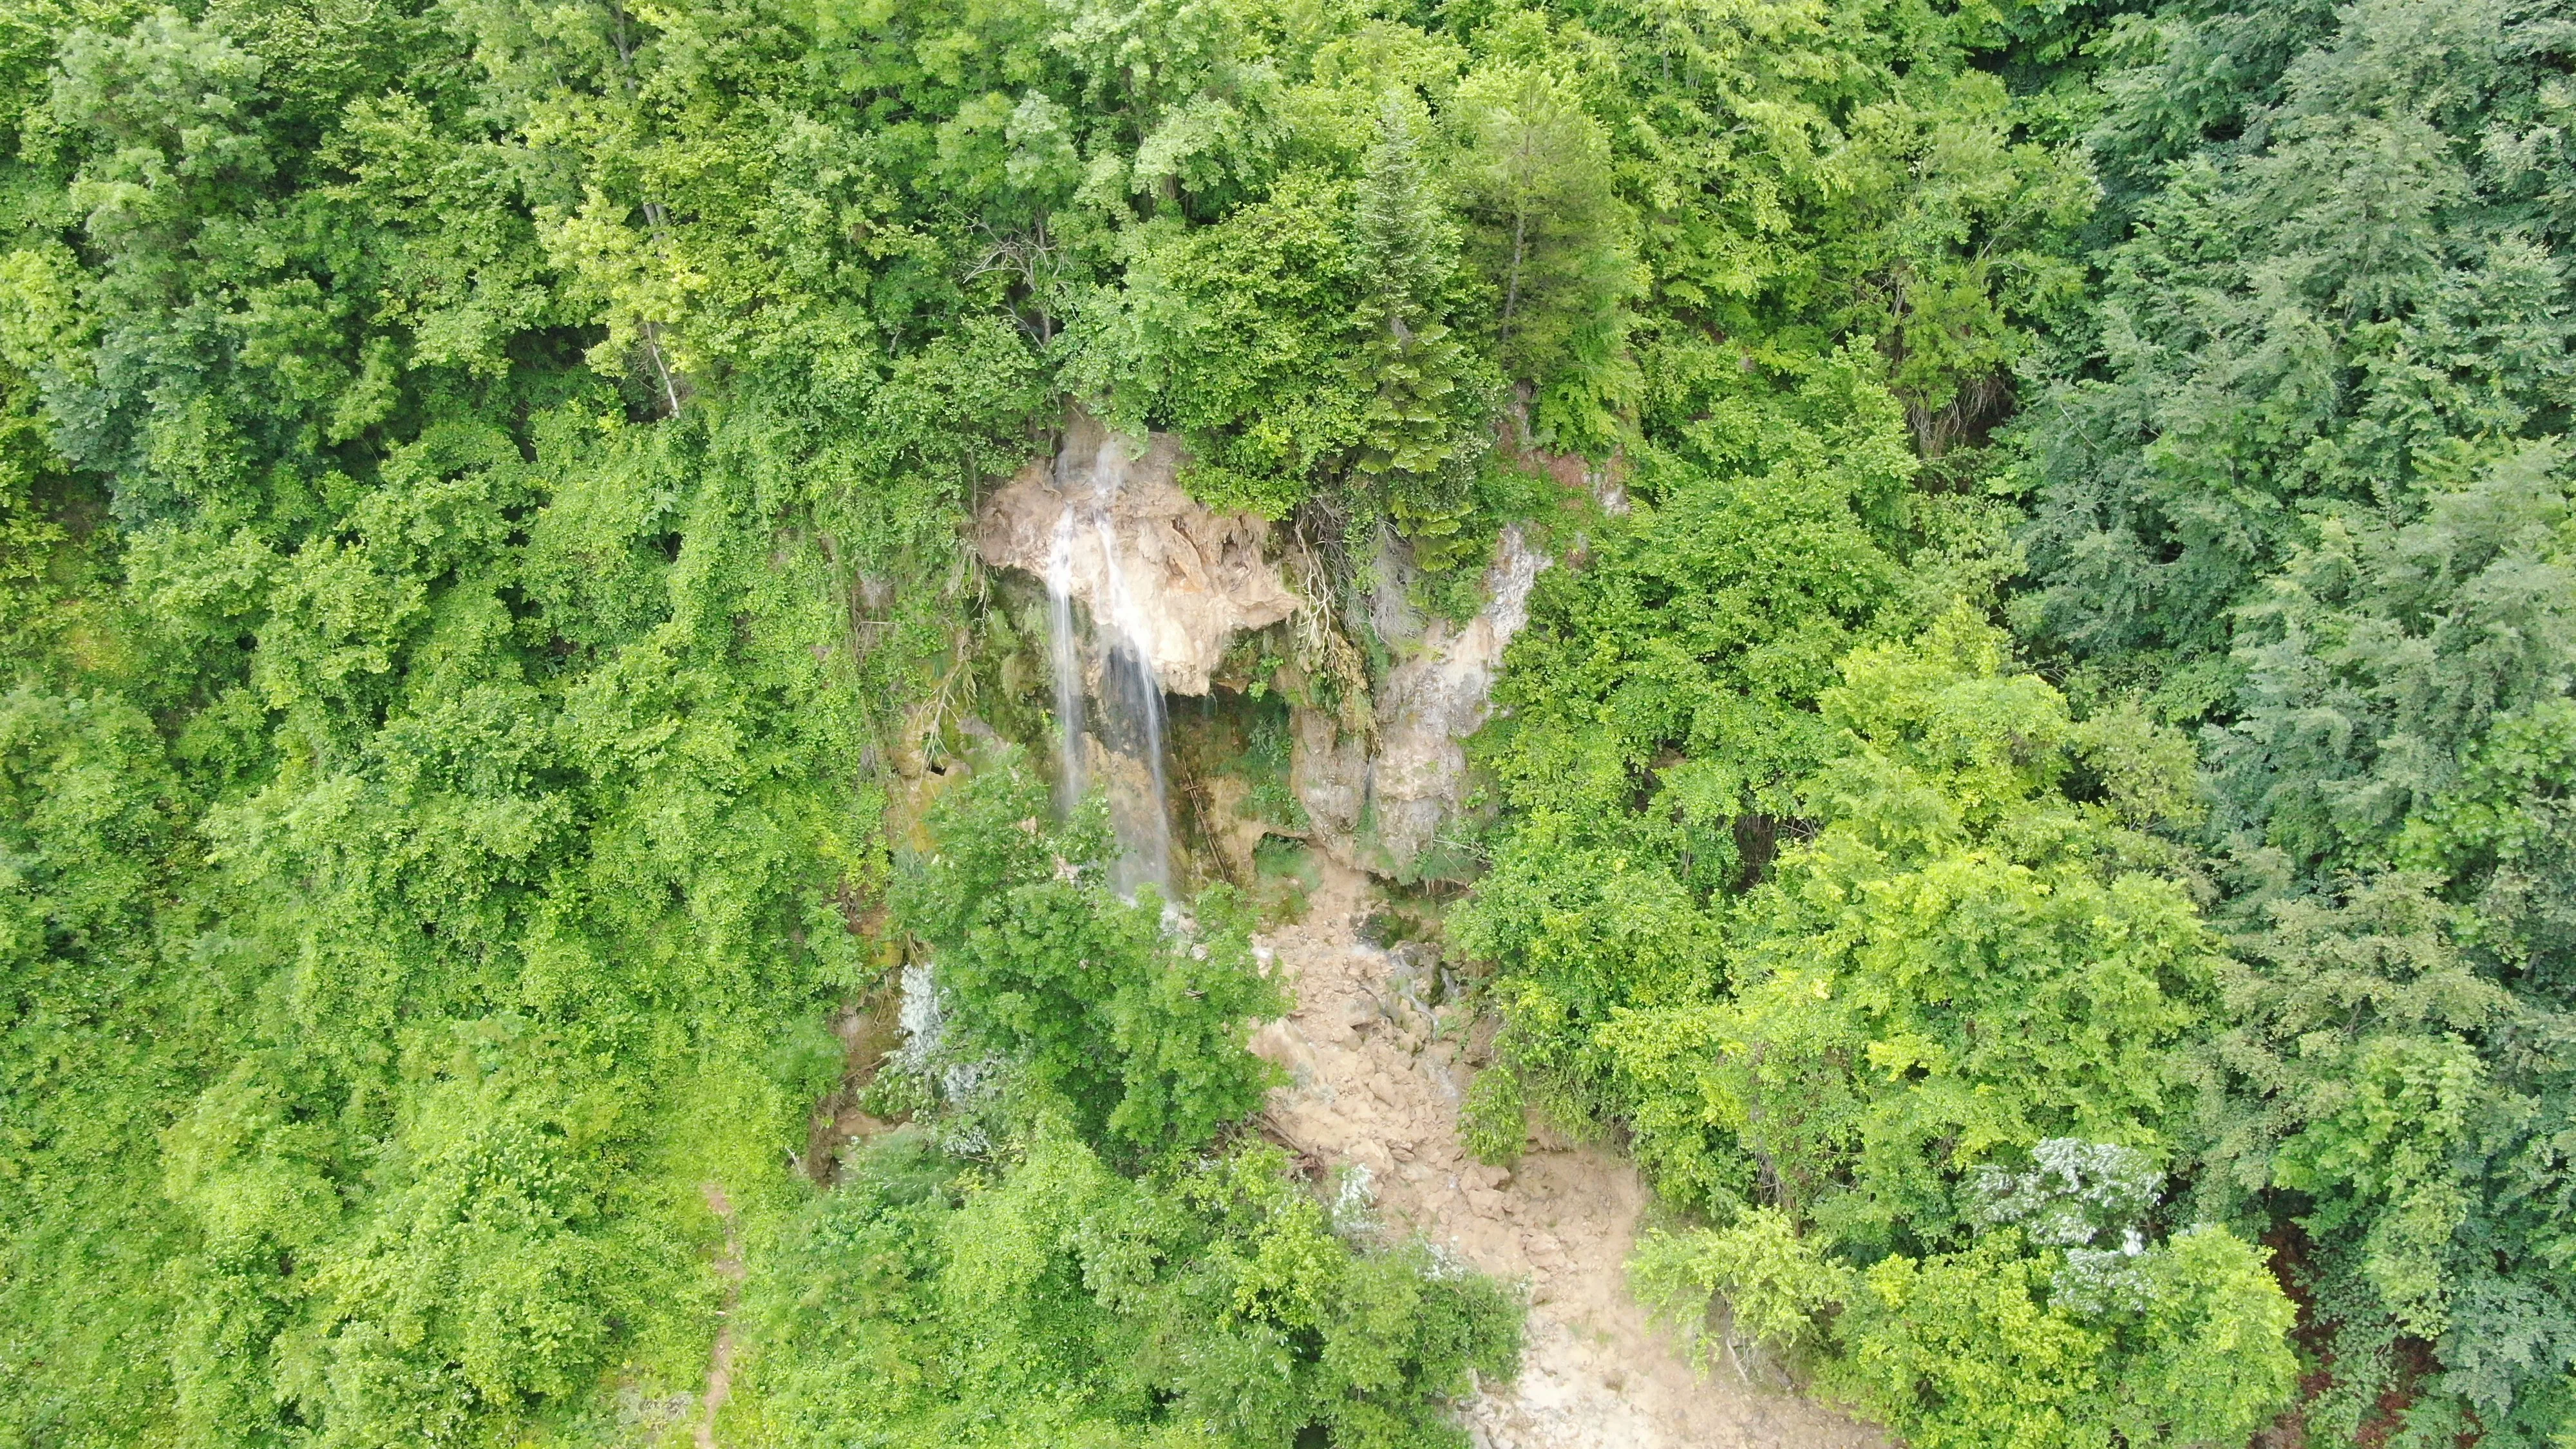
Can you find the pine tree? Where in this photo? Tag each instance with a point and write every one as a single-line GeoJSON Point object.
{"type": "Point", "coordinates": [1422, 440]}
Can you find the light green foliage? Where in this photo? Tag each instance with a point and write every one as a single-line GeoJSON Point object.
{"type": "Point", "coordinates": [1962, 1352]}
{"type": "Point", "coordinates": [2208, 1360]}
{"type": "Point", "coordinates": [1766, 546]}
{"type": "Point", "coordinates": [1138, 1030]}
{"type": "Point", "coordinates": [1493, 1118]}
{"type": "Point", "coordinates": [1041, 1297]}
{"type": "Point", "coordinates": [443, 801]}
{"type": "Point", "coordinates": [1966, 1349]}
{"type": "Point", "coordinates": [501, 769]}
{"type": "Point", "coordinates": [464, 831]}
{"type": "Point", "coordinates": [1963, 963]}
{"type": "Point", "coordinates": [2388, 1147]}
{"type": "Point", "coordinates": [1661, 714]}
{"type": "Point", "coordinates": [1956, 963]}
{"type": "Point", "coordinates": [92, 828]}
{"type": "Point", "coordinates": [1243, 350]}
{"type": "Point", "coordinates": [1773, 1284]}
{"type": "Point", "coordinates": [1307, 340]}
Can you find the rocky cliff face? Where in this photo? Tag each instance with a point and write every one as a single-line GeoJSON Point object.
{"type": "Point", "coordinates": [1435, 699]}
{"type": "Point", "coordinates": [1380, 799]}
{"type": "Point", "coordinates": [1181, 580]}
{"type": "Point", "coordinates": [1105, 524]}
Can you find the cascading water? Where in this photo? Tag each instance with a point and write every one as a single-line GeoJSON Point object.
{"type": "Point", "coordinates": [1129, 708]}
{"type": "Point", "coordinates": [1064, 658]}
{"type": "Point", "coordinates": [1135, 701]}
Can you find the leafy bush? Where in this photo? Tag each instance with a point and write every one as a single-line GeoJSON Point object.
{"type": "Point", "coordinates": [1053, 1300]}
{"type": "Point", "coordinates": [1970, 1349]}
{"type": "Point", "coordinates": [1961, 968]}
{"type": "Point", "coordinates": [1773, 1284]}
{"type": "Point", "coordinates": [1137, 1030]}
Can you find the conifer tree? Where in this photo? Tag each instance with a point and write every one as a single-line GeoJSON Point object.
{"type": "Point", "coordinates": [1423, 427]}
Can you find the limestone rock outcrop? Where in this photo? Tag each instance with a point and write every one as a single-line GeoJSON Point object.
{"type": "Point", "coordinates": [1180, 580]}
{"type": "Point", "coordinates": [1171, 583]}
{"type": "Point", "coordinates": [1434, 700]}
{"type": "Point", "coordinates": [1379, 802]}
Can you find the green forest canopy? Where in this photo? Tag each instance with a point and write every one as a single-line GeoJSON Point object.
{"type": "Point", "coordinates": [2044, 826]}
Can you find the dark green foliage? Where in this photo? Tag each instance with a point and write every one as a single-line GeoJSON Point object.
{"type": "Point", "coordinates": [2296, 482]}
{"type": "Point", "coordinates": [1415, 453]}
{"type": "Point", "coordinates": [2407, 1103]}
{"type": "Point", "coordinates": [1552, 235]}
{"type": "Point", "coordinates": [2299, 473]}
{"type": "Point", "coordinates": [2380, 656]}
{"type": "Point", "coordinates": [2344, 293]}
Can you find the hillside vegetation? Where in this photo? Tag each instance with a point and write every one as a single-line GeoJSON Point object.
{"type": "Point", "coordinates": [2036, 803]}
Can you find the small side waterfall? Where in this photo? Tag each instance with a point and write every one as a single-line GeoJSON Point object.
{"type": "Point", "coordinates": [1128, 710]}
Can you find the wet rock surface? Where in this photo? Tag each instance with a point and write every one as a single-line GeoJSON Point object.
{"type": "Point", "coordinates": [1379, 801]}
{"type": "Point", "coordinates": [1160, 579]}
{"type": "Point", "coordinates": [1434, 700]}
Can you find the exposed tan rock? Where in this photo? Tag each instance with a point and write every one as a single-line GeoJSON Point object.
{"type": "Point", "coordinates": [1179, 582]}
{"type": "Point", "coordinates": [1232, 829]}
{"type": "Point", "coordinates": [1329, 771]}
{"type": "Point", "coordinates": [1187, 579]}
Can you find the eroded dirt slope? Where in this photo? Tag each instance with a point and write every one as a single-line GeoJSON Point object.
{"type": "Point", "coordinates": [1373, 1088]}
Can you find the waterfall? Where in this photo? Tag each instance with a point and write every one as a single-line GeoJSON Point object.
{"type": "Point", "coordinates": [1135, 703]}
{"type": "Point", "coordinates": [1128, 712]}
{"type": "Point", "coordinates": [1066, 664]}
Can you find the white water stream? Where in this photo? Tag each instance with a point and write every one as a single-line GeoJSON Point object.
{"type": "Point", "coordinates": [1128, 710]}
{"type": "Point", "coordinates": [1066, 664]}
